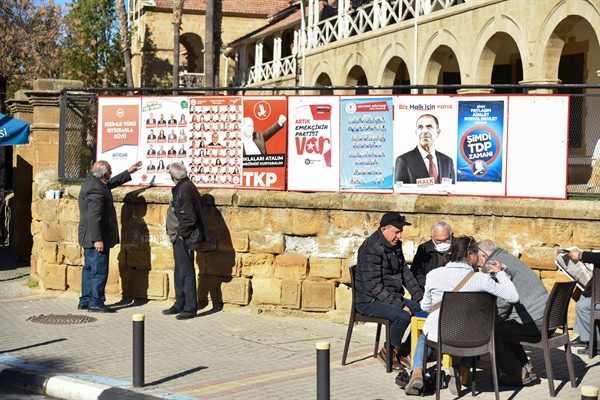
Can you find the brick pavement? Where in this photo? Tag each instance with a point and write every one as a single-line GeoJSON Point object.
{"type": "Point", "coordinates": [222, 354]}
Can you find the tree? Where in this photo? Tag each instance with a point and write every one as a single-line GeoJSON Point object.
{"type": "Point", "coordinates": [125, 40]}
{"type": "Point", "coordinates": [209, 57]}
{"type": "Point", "coordinates": [29, 43]}
{"type": "Point", "coordinates": [92, 47]}
{"type": "Point", "coordinates": [177, 17]}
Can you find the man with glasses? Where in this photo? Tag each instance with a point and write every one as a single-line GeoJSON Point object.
{"type": "Point", "coordinates": [433, 253]}
{"type": "Point", "coordinates": [522, 319]}
{"type": "Point", "coordinates": [380, 278]}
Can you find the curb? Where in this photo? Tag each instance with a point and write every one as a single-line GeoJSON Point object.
{"type": "Point", "coordinates": [64, 387]}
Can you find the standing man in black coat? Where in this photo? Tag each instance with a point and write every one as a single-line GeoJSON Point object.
{"type": "Point", "coordinates": [98, 231]}
{"type": "Point", "coordinates": [381, 275]}
{"type": "Point", "coordinates": [186, 228]}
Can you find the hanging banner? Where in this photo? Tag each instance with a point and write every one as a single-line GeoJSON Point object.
{"type": "Point", "coordinates": [264, 142]}
{"type": "Point", "coordinates": [13, 131]}
{"type": "Point", "coordinates": [314, 143]}
{"type": "Point", "coordinates": [366, 148]}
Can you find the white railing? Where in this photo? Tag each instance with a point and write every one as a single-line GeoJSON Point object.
{"type": "Point", "coordinates": [272, 70]}
{"type": "Point", "coordinates": [191, 79]}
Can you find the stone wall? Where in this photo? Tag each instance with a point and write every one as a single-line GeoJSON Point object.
{"type": "Point", "coordinates": [278, 250]}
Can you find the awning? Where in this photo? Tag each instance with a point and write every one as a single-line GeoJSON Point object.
{"type": "Point", "coordinates": [13, 131]}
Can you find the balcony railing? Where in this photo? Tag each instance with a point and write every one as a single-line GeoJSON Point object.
{"type": "Point", "coordinates": [191, 79]}
{"type": "Point", "coordinates": [272, 70]}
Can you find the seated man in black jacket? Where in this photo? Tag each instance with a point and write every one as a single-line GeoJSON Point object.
{"type": "Point", "coordinates": [433, 253]}
{"type": "Point", "coordinates": [381, 275]}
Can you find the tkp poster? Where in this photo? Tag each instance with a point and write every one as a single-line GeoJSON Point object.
{"type": "Point", "coordinates": [264, 142]}
{"type": "Point", "coordinates": [366, 148]}
{"type": "Point", "coordinates": [314, 143]}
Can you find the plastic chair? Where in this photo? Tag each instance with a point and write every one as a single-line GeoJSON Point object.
{"type": "Point", "coordinates": [595, 314]}
{"type": "Point", "coordinates": [357, 317]}
{"type": "Point", "coordinates": [466, 329]}
{"type": "Point", "coordinates": [555, 317]}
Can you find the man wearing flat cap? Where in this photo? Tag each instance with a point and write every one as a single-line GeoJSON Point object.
{"type": "Point", "coordinates": [380, 279]}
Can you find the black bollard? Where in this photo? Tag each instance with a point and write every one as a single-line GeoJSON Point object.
{"type": "Point", "coordinates": [323, 389]}
{"type": "Point", "coordinates": [589, 393]}
{"type": "Point", "coordinates": [138, 350]}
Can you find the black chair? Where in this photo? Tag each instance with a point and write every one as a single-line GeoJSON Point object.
{"type": "Point", "coordinates": [466, 329]}
{"type": "Point", "coordinates": [595, 314]}
{"type": "Point", "coordinates": [357, 317]}
{"type": "Point", "coordinates": [555, 317]}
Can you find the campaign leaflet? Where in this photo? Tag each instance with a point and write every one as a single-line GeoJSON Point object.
{"type": "Point", "coordinates": [481, 137]}
{"type": "Point", "coordinates": [264, 144]}
{"type": "Point", "coordinates": [164, 138]}
{"type": "Point", "coordinates": [313, 143]}
{"type": "Point", "coordinates": [118, 131]}
{"type": "Point", "coordinates": [424, 126]}
{"type": "Point", "coordinates": [215, 145]}
{"type": "Point", "coordinates": [366, 144]}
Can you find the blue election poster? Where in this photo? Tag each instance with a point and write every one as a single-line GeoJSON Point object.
{"type": "Point", "coordinates": [480, 141]}
{"type": "Point", "coordinates": [366, 162]}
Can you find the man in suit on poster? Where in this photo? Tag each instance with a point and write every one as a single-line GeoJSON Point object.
{"type": "Point", "coordinates": [424, 161]}
{"type": "Point", "coordinates": [254, 141]}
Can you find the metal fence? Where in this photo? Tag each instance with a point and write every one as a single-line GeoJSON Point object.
{"type": "Point", "coordinates": [78, 125]}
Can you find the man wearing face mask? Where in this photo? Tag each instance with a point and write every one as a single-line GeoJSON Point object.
{"type": "Point", "coordinates": [522, 319]}
{"type": "Point", "coordinates": [433, 253]}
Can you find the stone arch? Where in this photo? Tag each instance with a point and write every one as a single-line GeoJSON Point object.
{"type": "Point", "coordinates": [437, 50]}
{"type": "Point", "coordinates": [356, 69]}
{"type": "Point", "coordinates": [493, 35]}
{"type": "Point", "coordinates": [321, 69]}
{"type": "Point", "coordinates": [194, 48]}
{"type": "Point", "coordinates": [392, 59]}
{"type": "Point", "coordinates": [554, 32]}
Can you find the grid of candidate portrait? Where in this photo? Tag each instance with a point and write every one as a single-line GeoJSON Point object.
{"type": "Point", "coordinates": [207, 140]}
{"type": "Point", "coordinates": [368, 133]}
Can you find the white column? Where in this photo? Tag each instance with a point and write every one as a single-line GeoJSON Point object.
{"type": "Point", "coordinates": [277, 55]}
{"type": "Point", "coordinates": [258, 54]}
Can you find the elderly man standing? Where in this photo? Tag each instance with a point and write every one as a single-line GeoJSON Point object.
{"type": "Point", "coordinates": [522, 318]}
{"type": "Point", "coordinates": [433, 253]}
{"type": "Point", "coordinates": [98, 231]}
{"type": "Point", "coordinates": [381, 275]}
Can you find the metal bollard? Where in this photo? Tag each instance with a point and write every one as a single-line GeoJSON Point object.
{"type": "Point", "coordinates": [138, 350]}
{"type": "Point", "coordinates": [589, 393]}
{"type": "Point", "coordinates": [323, 389]}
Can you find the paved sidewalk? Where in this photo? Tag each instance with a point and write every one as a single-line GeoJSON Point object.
{"type": "Point", "coordinates": [221, 354]}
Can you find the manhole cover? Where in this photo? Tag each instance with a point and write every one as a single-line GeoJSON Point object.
{"type": "Point", "coordinates": [68, 319]}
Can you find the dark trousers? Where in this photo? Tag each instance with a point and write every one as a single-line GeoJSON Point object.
{"type": "Point", "coordinates": [511, 355]}
{"type": "Point", "coordinates": [400, 318]}
{"type": "Point", "coordinates": [185, 277]}
{"type": "Point", "coordinates": [93, 277]}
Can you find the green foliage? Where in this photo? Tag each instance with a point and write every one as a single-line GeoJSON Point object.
{"type": "Point", "coordinates": [92, 50]}
{"type": "Point", "coordinates": [31, 283]}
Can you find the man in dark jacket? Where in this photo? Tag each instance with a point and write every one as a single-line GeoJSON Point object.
{"type": "Point", "coordinates": [381, 275]}
{"type": "Point", "coordinates": [187, 229]}
{"type": "Point", "coordinates": [98, 231]}
{"type": "Point", "coordinates": [433, 253]}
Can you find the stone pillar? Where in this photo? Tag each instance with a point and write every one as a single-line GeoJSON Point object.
{"type": "Point", "coordinates": [476, 91]}
{"type": "Point", "coordinates": [541, 82]}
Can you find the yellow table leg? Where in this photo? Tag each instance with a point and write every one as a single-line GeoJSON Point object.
{"type": "Point", "coordinates": [416, 326]}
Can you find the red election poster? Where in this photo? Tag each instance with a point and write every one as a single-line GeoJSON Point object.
{"type": "Point", "coordinates": [264, 141]}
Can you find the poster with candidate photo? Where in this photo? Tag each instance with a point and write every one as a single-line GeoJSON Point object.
{"type": "Point", "coordinates": [119, 132]}
{"type": "Point", "coordinates": [366, 144]}
{"type": "Point", "coordinates": [215, 147]}
{"type": "Point", "coordinates": [425, 144]}
{"type": "Point", "coordinates": [314, 143]}
{"type": "Point", "coordinates": [481, 161]}
{"type": "Point", "coordinates": [264, 142]}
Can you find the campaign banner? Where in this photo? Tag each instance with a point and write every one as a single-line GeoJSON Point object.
{"type": "Point", "coordinates": [13, 131]}
{"type": "Point", "coordinates": [118, 131]}
{"type": "Point", "coordinates": [314, 143]}
{"type": "Point", "coordinates": [264, 142]}
{"type": "Point", "coordinates": [215, 148]}
{"type": "Point", "coordinates": [424, 144]}
{"type": "Point", "coordinates": [366, 144]}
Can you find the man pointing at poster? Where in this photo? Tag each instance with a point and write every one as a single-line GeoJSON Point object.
{"type": "Point", "coordinates": [254, 142]}
{"type": "Point", "coordinates": [424, 161]}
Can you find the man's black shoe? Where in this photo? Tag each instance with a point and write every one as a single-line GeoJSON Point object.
{"type": "Point", "coordinates": [171, 311]}
{"type": "Point", "coordinates": [185, 315]}
{"type": "Point", "coordinates": [586, 351]}
{"type": "Point", "coordinates": [578, 343]}
{"type": "Point", "coordinates": [102, 309]}
{"type": "Point", "coordinates": [82, 307]}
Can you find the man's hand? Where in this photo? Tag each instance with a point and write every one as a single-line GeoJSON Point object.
{"type": "Point", "coordinates": [407, 310]}
{"type": "Point", "coordinates": [282, 119]}
{"type": "Point", "coordinates": [99, 245]}
{"type": "Point", "coordinates": [135, 167]}
{"type": "Point", "coordinates": [575, 255]}
{"type": "Point", "coordinates": [494, 267]}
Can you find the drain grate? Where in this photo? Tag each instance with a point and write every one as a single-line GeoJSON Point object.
{"type": "Point", "coordinates": [68, 319]}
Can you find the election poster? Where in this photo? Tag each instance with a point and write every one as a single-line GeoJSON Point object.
{"type": "Point", "coordinates": [264, 142]}
{"type": "Point", "coordinates": [215, 144]}
{"type": "Point", "coordinates": [481, 134]}
{"type": "Point", "coordinates": [424, 144]}
{"type": "Point", "coordinates": [366, 144]}
{"type": "Point", "coordinates": [314, 143]}
{"type": "Point", "coordinates": [118, 132]}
